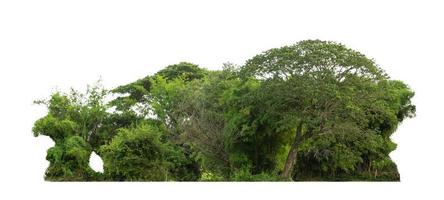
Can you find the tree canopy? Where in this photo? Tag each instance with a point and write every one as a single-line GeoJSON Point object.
{"type": "Point", "coordinates": [315, 110]}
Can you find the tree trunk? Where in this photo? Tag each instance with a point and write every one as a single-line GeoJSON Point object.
{"type": "Point", "coordinates": [292, 154]}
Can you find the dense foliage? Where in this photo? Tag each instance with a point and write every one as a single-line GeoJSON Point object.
{"type": "Point", "coordinates": [313, 111]}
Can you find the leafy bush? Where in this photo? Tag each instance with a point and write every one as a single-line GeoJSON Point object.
{"type": "Point", "coordinates": [136, 154]}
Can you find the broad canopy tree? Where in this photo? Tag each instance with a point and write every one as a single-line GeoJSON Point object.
{"type": "Point", "coordinates": [315, 110]}
{"type": "Point", "coordinates": [316, 86]}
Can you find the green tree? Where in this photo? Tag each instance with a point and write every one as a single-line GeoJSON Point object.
{"type": "Point", "coordinates": [205, 121]}
{"type": "Point", "coordinates": [183, 70]}
{"type": "Point", "coordinates": [314, 86]}
{"type": "Point", "coordinates": [221, 125]}
{"type": "Point", "coordinates": [75, 123]}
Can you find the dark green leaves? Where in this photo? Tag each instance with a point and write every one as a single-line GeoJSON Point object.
{"type": "Point", "coordinates": [315, 58]}
{"type": "Point", "coordinates": [185, 71]}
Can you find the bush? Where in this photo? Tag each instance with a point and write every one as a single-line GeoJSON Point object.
{"type": "Point", "coordinates": [245, 175]}
{"type": "Point", "coordinates": [136, 154]}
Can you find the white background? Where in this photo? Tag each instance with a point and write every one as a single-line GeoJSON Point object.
{"type": "Point", "coordinates": [45, 45]}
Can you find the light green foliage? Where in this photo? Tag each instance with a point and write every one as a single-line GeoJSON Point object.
{"type": "Point", "coordinates": [166, 100]}
{"type": "Point", "coordinates": [209, 176]}
{"type": "Point", "coordinates": [55, 128]}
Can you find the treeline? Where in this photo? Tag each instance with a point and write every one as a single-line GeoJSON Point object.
{"type": "Point", "coordinates": [313, 111]}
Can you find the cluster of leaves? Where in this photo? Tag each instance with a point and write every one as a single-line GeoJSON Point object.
{"type": "Point", "coordinates": [315, 110]}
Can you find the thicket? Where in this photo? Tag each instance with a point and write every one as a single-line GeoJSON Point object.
{"type": "Point", "coordinates": [312, 111]}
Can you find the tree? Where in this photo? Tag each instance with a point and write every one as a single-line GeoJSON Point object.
{"type": "Point", "coordinates": [183, 70]}
{"type": "Point", "coordinates": [312, 86]}
{"type": "Point", "coordinates": [168, 105]}
{"type": "Point", "coordinates": [205, 108]}
{"type": "Point", "coordinates": [222, 126]}
{"type": "Point", "coordinates": [74, 122]}
{"type": "Point", "coordinates": [158, 99]}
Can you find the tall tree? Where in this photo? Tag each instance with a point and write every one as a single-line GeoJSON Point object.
{"type": "Point", "coordinates": [312, 86]}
